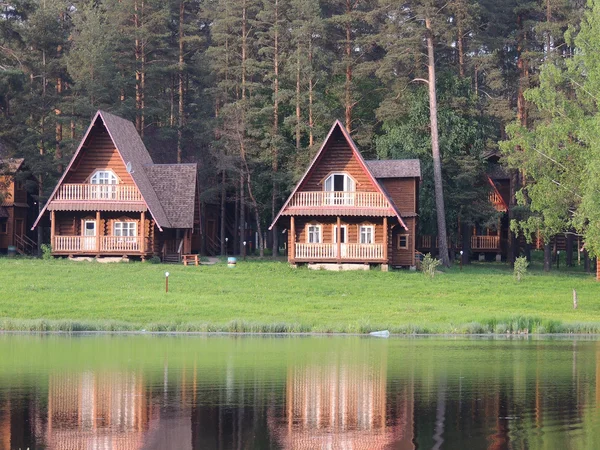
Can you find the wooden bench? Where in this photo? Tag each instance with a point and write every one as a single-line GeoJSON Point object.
{"type": "Point", "coordinates": [190, 259]}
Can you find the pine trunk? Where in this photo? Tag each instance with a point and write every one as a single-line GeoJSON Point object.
{"type": "Point", "coordinates": [181, 90]}
{"type": "Point", "coordinates": [274, 139]}
{"type": "Point", "coordinates": [437, 161]}
{"type": "Point", "coordinates": [223, 199]}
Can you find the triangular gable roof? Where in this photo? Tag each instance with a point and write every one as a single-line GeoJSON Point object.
{"type": "Point", "coordinates": [10, 166]}
{"type": "Point", "coordinates": [131, 149]}
{"type": "Point", "coordinates": [358, 156]}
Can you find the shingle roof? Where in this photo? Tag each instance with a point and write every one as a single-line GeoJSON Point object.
{"type": "Point", "coordinates": [132, 150]}
{"type": "Point", "coordinates": [175, 185]}
{"type": "Point", "coordinates": [9, 166]}
{"type": "Point", "coordinates": [395, 168]}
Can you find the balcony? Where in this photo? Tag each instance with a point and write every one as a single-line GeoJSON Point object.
{"type": "Point", "coordinates": [349, 252]}
{"type": "Point", "coordinates": [98, 193]}
{"type": "Point", "coordinates": [485, 242]}
{"type": "Point", "coordinates": [98, 244]}
{"type": "Point", "coordinates": [318, 199]}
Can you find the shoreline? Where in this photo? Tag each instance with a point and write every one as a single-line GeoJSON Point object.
{"type": "Point", "coordinates": [239, 328]}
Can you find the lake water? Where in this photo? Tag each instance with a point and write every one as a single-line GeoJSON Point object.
{"type": "Point", "coordinates": [247, 392]}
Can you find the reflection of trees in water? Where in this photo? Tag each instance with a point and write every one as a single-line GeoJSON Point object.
{"type": "Point", "coordinates": [529, 399]}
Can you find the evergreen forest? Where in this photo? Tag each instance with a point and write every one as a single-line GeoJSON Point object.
{"type": "Point", "coordinates": [248, 89]}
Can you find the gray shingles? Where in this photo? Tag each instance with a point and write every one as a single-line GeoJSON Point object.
{"type": "Point", "coordinates": [395, 168]}
{"type": "Point", "coordinates": [175, 186]}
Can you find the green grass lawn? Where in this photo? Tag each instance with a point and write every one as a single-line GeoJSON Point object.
{"type": "Point", "coordinates": [271, 296]}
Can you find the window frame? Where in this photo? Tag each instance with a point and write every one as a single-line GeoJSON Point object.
{"type": "Point", "coordinates": [4, 224]}
{"type": "Point", "coordinates": [371, 234]}
{"type": "Point", "coordinates": [398, 245]}
{"type": "Point", "coordinates": [130, 226]}
{"type": "Point", "coordinates": [111, 176]}
{"type": "Point", "coordinates": [349, 182]}
{"type": "Point", "coordinates": [310, 233]}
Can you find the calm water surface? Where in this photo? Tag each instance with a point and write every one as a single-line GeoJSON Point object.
{"type": "Point", "coordinates": [223, 392]}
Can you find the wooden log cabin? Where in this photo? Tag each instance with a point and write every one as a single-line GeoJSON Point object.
{"type": "Point", "coordinates": [346, 210]}
{"type": "Point", "coordinates": [16, 208]}
{"type": "Point", "coordinates": [112, 200]}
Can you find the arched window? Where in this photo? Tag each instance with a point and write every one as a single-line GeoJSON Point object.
{"type": "Point", "coordinates": [340, 188]}
{"type": "Point", "coordinates": [105, 181]}
{"type": "Point", "coordinates": [104, 177]}
{"type": "Point", "coordinates": [339, 182]}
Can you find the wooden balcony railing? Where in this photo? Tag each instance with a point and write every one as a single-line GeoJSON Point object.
{"type": "Point", "coordinates": [485, 242]}
{"type": "Point", "coordinates": [354, 252]}
{"type": "Point", "coordinates": [98, 192]}
{"type": "Point", "coordinates": [102, 244]}
{"type": "Point", "coordinates": [338, 198]}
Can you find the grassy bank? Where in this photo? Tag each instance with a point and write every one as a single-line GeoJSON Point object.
{"type": "Point", "coordinates": [266, 296]}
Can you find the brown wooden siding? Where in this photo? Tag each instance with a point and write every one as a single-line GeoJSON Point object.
{"type": "Point", "coordinates": [337, 157]}
{"type": "Point", "coordinates": [99, 153]}
{"type": "Point", "coordinates": [403, 193]}
{"type": "Point", "coordinates": [403, 257]}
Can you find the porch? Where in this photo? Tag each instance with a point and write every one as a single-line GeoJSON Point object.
{"type": "Point", "coordinates": [103, 233]}
{"type": "Point", "coordinates": [347, 253]}
{"type": "Point", "coordinates": [113, 245]}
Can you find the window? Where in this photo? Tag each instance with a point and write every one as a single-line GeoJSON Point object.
{"type": "Point", "coordinates": [341, 188]}
{"type": "Point", "coordinates": [125, 229]}
{"type": "Point", "coordinates": [313, 234]}
{"type": "Point", "coordinates": [367, 234]}
{"type": "Point", "coordinates": [104, 177]}
{"type": "Point", "coordinates": [104, 188]}
{"type": "Point", "coordinates": [19, 185]}
{"type": "Point", "coordinates": [339, 182]}
{"type": "Point", "coordinates": [402, 241]}
{"type": "Point", "coordinates": [3, 228]}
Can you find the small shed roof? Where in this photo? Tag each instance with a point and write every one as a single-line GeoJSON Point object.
{"type": "Point", "coordinates": [175, 186]}
{"type": "Point", "coordinates": [8, 166]}
{"type": "Point", "coordinates": [395, 168]}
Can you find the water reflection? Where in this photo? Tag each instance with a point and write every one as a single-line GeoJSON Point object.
{"type": "Point", "coordinates": [337, 393]}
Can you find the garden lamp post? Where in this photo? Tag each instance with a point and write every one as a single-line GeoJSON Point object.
{"type": "Point", "coordinates": [166, 281]}
{"type": "Point", "coordinates": [461, 254]}
{"type": "Point", "coordinates": [244, 250]}
{"type": "Point", "coordinates": [558, 259]}
{"type": "Point", "coordinates": [226, 249]}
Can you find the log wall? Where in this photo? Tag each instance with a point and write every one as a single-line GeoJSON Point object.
{"type": "Point", "coordinates": [99, 152]}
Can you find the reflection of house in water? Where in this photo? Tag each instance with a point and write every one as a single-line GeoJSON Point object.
{"type": "Point", "coordinates": [89, 411]}
{"type": "Point", "coordinates": [342, 406]}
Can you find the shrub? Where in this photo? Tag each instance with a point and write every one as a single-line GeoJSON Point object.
{"type": "Point", "coordinates": [521, 265]}
{"type": "Point", "coordinates": [154, 260]}
{"type": "Point", "coordinates": [429, 265]}
{"type": "Point", "coordinates": [46, 251]}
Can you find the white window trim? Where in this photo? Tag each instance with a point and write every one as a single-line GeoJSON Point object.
{"type": "Point", "coordinates": [129, 227]}
{"type": "Point", "coordinates": [320, 227]}
{"type": "Point", "coordinates": [349, 182]}
{"type": "Point", "coordinates": [345, 227]}
{"type": "Point", "coordinates": [360, 234]}
{"type": "Point", "coordinates": [102, 171]}
{"type": "Point", "coordinates": [398, 245]}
